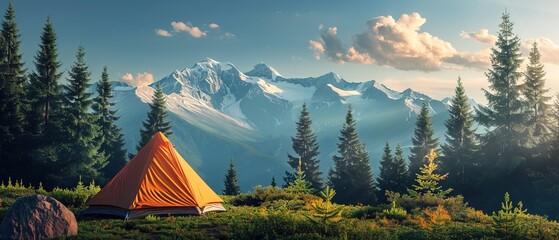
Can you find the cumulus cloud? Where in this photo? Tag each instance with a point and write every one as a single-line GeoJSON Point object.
{"type": "Point", "coordinates": [317, 48]}
{"type": "Point", "coordinates": [548, 49]}
{"type": "Point", "coordinates": [213, 25]}
{"type": "Point", "coordinates": [163, 33]}
{"type": "Point", "coordinates": [476, 60]}
{"type": "Point", "coordinates": [397, 43]}
{"type": "Point", "coordinates": [482, 35]}
{"type": "Point", "coordinates": [187, 28]}
{"type": "Point", "coordinates": [141, 79]}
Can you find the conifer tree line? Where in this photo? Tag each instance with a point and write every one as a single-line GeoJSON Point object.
{"type": "Point", "coordinates": [512, 143]}
{"type": "Point", "coordinates": [57, 133]}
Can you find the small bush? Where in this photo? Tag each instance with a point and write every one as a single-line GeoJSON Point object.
{"type": "Point", "coordinates": [454, 205]}
{"type": "Point", "coordinates": [363, 212]}
{"type": "Point", "coordinates": [266, 196]}
{"type": "Point", "coordinates": [152, 218]}
{"type": "Point", "coordinates": [395, 212]}
{"type": "Point", "coordinates": [77, 196]}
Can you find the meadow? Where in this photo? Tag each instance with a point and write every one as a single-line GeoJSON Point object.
{"type": "Point", "coordinates": [275, 213]}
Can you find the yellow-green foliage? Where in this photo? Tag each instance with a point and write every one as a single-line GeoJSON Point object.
{"type": "Point", "coordinates": [299, 185]}
{"type": "Point", "coordinates": [395, 212]}
{"type": "Point", "coordinates": [77, 196]}
{"type": "Point", "coordinates": [325, 211]}
{"type": "Point", "coordinates": [507, 222]}
{"type": "Point", "coordinates": [428, 180]}
{"type": "Point", "coordinates": [273, 197]}
{"type": "Point", "coordinates": [152, 218]}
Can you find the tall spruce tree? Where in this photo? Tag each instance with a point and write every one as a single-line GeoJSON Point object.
{"type": "Point", "coordinates": [422, 141]}
{"type": "Point", "coordinates": [459, 152]}
{"type": "Point", "coordinates": [12, 81]}
{"type": "Point", "coordinates": [386, 175]}
{"type": "Point", "coordinates": [43, 116]}
{"type": "Point", "coordinates": [505, 115]}
{"type": "Point", "coordinates": [553, 155]}
{"type": "Point", "coordinates": [45, 92]}
{"type": "Point", "coordinates": [393, 172]}
{"type": "Point", "coordinates": [400, 171]}
{"type": "Point", "coordinates": [80, 156]}
{"type": "Point", "coordinates": [352, 176]}
{"type": "Point", "coordinates": [536, 100]}
{"type": "Point", "coordinates": [156, 120]}
{"type": "Point", "coordinates": [111, 138]}
{"type": "Point", "coordinates": [230, 181]}
{"type": "Point", "coordinates": [306, 147]}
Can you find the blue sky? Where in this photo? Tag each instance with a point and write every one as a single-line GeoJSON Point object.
{"type": "Point", "coordinates": [299, 38]}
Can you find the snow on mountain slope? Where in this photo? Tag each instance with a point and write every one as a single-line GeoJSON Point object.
{"type": "Point", "coordinates": [344, 93]}
{"type": "Point", "coordinates": [219, 112]}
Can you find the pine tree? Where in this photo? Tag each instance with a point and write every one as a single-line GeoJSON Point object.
{"type": "Point", "coordinates": [423, 140]}
{"type": "Point", "coordinates": [400, 171]}
{"type": "Point", "coordinates": [44, 109]}
{"type": "Point", "coordinates": [12, 81]}
{"type": "Point", "coordinates": [45, 93]}
{"type": "Point", "coordinates": [273, 184]}
{"type": "Point", "coordinates": [299, 184]}
{"type": "Point", "coordinates": [554, 142]}
{"type": "Point", "coordinates": [504, 115]}
{"type": "Point", "coordinates": [393, 172]}
{"type": "Point", "coordinates": [80, 157]}
{"type": "Point", "coordinates": [156, 120]}
{"type": "Point", "coordinates": [537, 102]}
{"type": "Point", "coordinates": [352, 175]}
{"type": "Point", "coordinates": [306, 147]}
{"type": "Point", "coordinates": [111, 138]}
{"type": "Point", "coordinates": [459, 151]}
{"type": "Point", "coordinates": [386, 179]}
{"type": "Point", "coordinates": [230, 181]}
{"type": "Point", "coordinates": [428, 181]}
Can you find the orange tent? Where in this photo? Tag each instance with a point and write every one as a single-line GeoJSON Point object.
{"type": "Point", "coordinates": [156, 181]}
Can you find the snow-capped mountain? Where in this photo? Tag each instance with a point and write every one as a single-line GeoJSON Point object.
{"type": "Point", "coordinates": [219, 113]}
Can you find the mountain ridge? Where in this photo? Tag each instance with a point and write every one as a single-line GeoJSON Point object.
{"type": "Point", "coordinates": [219, 112]}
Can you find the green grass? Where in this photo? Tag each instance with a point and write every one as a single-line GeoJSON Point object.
{"type": "Point", "coordinates": [274, 214]}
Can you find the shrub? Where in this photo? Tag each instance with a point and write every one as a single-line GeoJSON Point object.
{"type": "Point", "coordinates": [77, 196]}
{"type": "Point", "coordinates": [394, 212]}
{"type": "Point", "coordinates": [325, 211]}
{"type": "Point", "coordinates": [152, 218]}
{"type": "Point", "coordinates": [454, 205]}
{"type": "Point", "coordinates": [266, 196]}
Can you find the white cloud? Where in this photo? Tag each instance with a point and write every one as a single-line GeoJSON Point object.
{"type": "Point", "coordinates": [549, 51]}
{"type": "Point", "coordinates": [183, 27]}
{"type": "Point", "coordinates": [141, 79]}
{"type": "Point", "coordinates": [163, 33]}
{"type": "Point", "coordinates": [230, 34]}
{"type": "Point", "coordinates": [317, 48]}
{"type": "Point", "coordinates": [213, 25]}
{"type": "Point", "coordinates": [476, 60]}
{"type": "Point", "coordinates": [397, 43]}
{"type": "Point", "coordinates": [482, 35]}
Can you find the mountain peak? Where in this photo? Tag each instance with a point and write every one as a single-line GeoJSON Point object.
{"type": "Point", "coordinates": [335, 76]}
{"type": "Point", "coordinates": [263, 70]}
{"type": "Point", "coordinates": [210, 63]}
